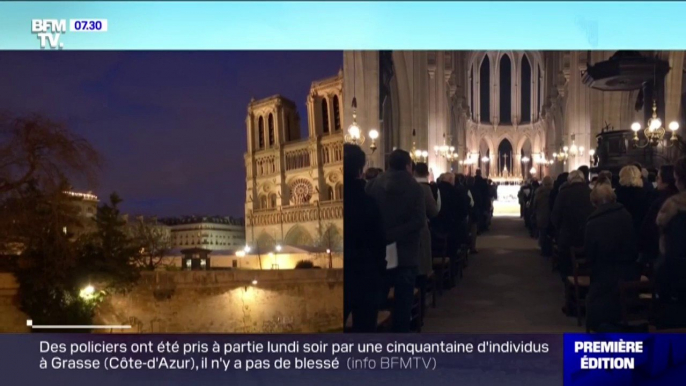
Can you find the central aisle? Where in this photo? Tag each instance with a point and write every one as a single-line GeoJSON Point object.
{"type": "Point", "coordinates": [507, 288]}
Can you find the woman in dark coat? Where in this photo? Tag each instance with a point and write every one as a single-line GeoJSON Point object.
{"type": "Point", "coordinates": [610, 245]}
{"type": "Point", "coordinates": [364, 244]}
{"type": "Point", "coordinates": [569, 215]}
{"type": "Point", "coordinates": [632, 195]}
{"type": "Point", "coordinates": [649, 242]}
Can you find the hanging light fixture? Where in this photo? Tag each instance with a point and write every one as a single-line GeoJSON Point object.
{"type": "Point", "coordinates": [446, 151]}
{"type": "Point", "coordinates": [354, 134]}
{"type": "Point", "coordinates": [417, 155]}
{"type": "Point", "coordinates": [654, 131]}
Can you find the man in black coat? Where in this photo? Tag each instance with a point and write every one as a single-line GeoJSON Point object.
{"type": "Point", "coordinates": [364, 245]}
{"type": "Point", "coordinates": [482, 190]}
{"type": "Point", "coordinates": [403, 211]}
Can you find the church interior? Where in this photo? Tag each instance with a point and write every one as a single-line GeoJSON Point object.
{"type": "Point", "coordinates": [516, 117]}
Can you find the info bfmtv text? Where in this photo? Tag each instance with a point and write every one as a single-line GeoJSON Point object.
{"type": "Point", "coordinates": [50, 31]}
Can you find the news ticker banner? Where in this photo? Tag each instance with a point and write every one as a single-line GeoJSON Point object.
{"type": "Point", "coordinates": [268, 25]}
{"type": "Point", "coordinates": [338, 359]}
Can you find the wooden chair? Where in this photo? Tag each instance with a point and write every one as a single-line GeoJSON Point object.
{"type": "Point", "coordinates": [417, 317]}
{"type": "Point", "coordinates": [636, 298]}
{"type": "Point", "coordinates": [431, 287]}
{"type": "Point", "coordinates": [383, 321]}
{"type": "Point", "coordinates": [441, 262]}
{"type": "Point", "coordinates": [578, 283]}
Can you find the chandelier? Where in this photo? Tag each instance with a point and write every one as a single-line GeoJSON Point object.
{"type": "Point", "coordinates": [654, 131]}
{"type": "Point", "coordinates": [574, 150]}
{"type": "Point", "coordinates": [354, 134]}
{"type": "Point", "coordinates": [417, 155]}
{"type": "Point", "coordinates": [562, 155]}
{"type": "Point", "coordinates": [446, 151]}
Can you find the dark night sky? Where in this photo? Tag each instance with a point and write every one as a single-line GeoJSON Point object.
{"type": "Point", "coordinates": [170, 125]}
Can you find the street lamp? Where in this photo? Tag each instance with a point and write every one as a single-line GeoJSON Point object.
{"type": "Point", "coordinates": [87, 292]}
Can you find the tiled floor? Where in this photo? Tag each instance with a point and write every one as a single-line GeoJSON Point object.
{"type": "Point", "coordinates": [507, 288]}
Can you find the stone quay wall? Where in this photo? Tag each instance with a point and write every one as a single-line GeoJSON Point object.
{"type": "Point", "coordinates": [227, 301]}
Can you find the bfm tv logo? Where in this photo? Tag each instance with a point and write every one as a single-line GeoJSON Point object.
{"type": "Point", "coordinates": [49, 32]}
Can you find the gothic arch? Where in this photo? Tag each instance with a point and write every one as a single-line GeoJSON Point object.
{"type": "Point", "coordinates": [298, 235]}
{"type": "Point", "coordinates": [332, 238]}
{"type": "Point", "coordinates": [522, 140]}
{"type": "Point", "coordinates": [265, 243]}
{"type": "Point", "coordinates": [260, 132]}
{"type": "Point", "coordinates": [325, 116]}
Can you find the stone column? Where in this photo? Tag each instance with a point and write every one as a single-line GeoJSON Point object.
{"type": "Point", "coordinates": [361, 78]}
{"type": "Point", "coordinates": [432, 114]}
{"type": "Point", "coordinates": [311, 120]}
{"type": "Point", "coordinates": [673, 88]}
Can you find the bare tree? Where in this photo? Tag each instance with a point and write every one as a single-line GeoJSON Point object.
{"type": "Point", "coordinates": [153, 241]}
{"type": "Point", "coordinates": [331, 239]}
{"type": "Point", "coordinates": [35, 149]}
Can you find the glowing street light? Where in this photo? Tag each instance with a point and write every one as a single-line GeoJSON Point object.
{"type": "Point", "coordinates": [87, 292]}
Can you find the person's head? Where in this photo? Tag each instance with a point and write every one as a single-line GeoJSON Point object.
{"type": "Point", "coordinates": [547, 181]}
{"type": "Point", "coordinates": [652, 177]}
{"type": "Point", "coordinates": [371, 173]}
{"type": "Point", "coordinates": [680, 173]}
{"type": "Point", "coordinates": [400, 160]}
{"type": "Point", "coordinates": [603, 179]}
{"type": "Point", "coordinates": [353, 161]}
{"type": "Point", "coordinates": [448, 178]}
{"type": "Point", "coordinates": [606, 173]}
{"type": "Point", "coordinates": [665, 177]}
{"type": "Point", "coordinates": [630, 175]}
{"type": "Point", "coordinates": [585, 170]}
{"type": "Point", "coordinates": [602, 194]}
{"type": "Point", "coordinates": [421, 169]}
{"type": "Point", "coordinates": [460, 179]}
{"type": "Point", "coordinates": [575, 176]}
{"type": "Point", "coordinates": [535, 184]}
{"type": "Point", "coordinates": [478, 172]}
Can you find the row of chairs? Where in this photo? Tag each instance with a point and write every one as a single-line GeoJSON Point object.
{"type": "Point", "coordinates": [636, 297]}
{"type": "Point", "coordinates": [447, 271]}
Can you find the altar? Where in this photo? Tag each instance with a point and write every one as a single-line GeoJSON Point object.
{"type": "Point", "coordinates": [507, 203]}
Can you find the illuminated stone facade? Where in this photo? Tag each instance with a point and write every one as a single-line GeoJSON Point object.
{"type": "Point", "coordinates": [294, 193]}
{"type": "Point", "coordinates": [213, 233]}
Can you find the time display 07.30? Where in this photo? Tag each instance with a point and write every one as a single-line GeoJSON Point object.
{"type": "Point", "coordinates": [88, 25]}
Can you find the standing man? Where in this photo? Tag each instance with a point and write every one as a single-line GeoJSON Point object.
{"type": "Point", "coordinates": [403, 213]}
